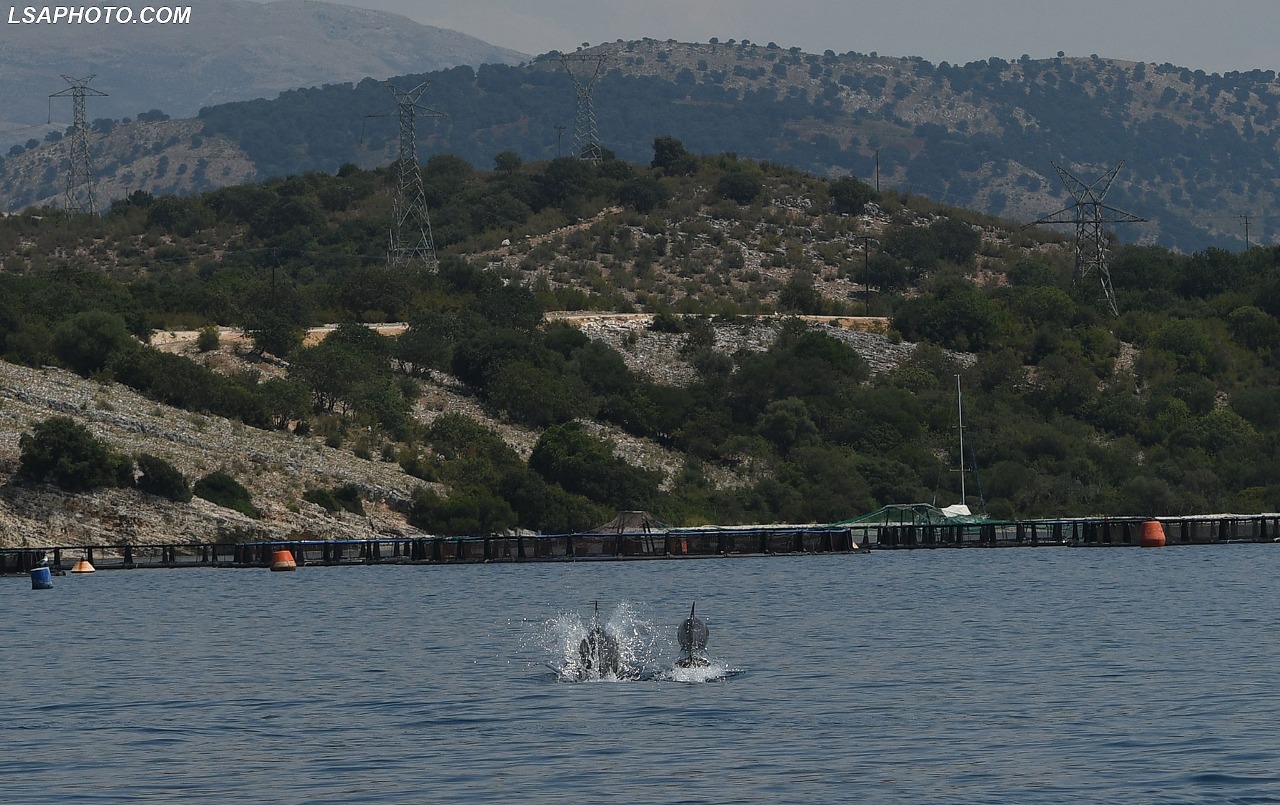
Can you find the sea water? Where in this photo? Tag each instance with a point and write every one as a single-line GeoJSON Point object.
{"type": "Point", "coordinates": [1035, 675]}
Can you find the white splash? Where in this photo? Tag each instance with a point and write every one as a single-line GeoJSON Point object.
{"type": "Point", "coordinates": [646, 652]}
{"type": "Point", "coordinates": [562, 636]}
{"type": "Point", "coordinates": [712, 672]}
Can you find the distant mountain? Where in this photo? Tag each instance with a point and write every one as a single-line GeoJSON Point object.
{"type": "Point", "coordinates": [230, 50]}
{"type": "Point", "coordinates": [1201, 151]}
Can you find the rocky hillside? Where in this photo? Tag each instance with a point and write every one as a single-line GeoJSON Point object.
{"type": "Point", "coordinates": [278, 467]}
{"type": "Point", "coordinates": [687, 387]}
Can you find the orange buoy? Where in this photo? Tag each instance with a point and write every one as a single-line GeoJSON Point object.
{"type": "Point", "coordinates": [283, 560]}
{"type": "Point", "coordinates": [1152, 535]}
{"type": "Point", "coordinates": [83, 566]}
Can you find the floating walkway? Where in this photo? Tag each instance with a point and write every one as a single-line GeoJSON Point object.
{"type": "Point", "coordinates": [670, 544]}
{"type": "Point", "coordinates": [684, 543]}
{"type": "Point", "coordinates": [1208, 529]}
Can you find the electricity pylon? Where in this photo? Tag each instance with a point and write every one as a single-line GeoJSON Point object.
{"type": "Point", "coordinates": [80, 181]}
{"type": "Point", "coordinates": [1089, 213]}
{"type": "Point", "coordinates": [410, 239]}
{"type": "Point", "coordinates": [586, 138]}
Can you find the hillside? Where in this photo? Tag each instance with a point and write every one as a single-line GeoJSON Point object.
{"type": "Point", "coordinates": [1199, 150]}
{"type": "Point", "coordinates": [279, 468]}
{"type": "Point", "coordinates": [230, 50]}
{"type": "Point", "coordinates": [689, 337]}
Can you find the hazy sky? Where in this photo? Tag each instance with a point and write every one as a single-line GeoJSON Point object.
{"type": "Point", "coordinates": [1213, 36]}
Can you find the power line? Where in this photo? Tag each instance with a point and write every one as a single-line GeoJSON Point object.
{"type": "Point", "coordinates": [410, 238]}
{"type": "Point", "coordinates": [586, 137]}
{"type": "Point", "coordinates": [1089, 213]}
{"type": "Point", "coordinates": [80, 181]}
{"type": "Point", "coordinates": [17, 129]}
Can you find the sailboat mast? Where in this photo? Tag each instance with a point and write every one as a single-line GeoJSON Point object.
{"type": "Point", "coordinates": [960, 408]}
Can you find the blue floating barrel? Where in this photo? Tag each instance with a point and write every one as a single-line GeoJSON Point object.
{"type": "Point", "coordinates": [41, 579]}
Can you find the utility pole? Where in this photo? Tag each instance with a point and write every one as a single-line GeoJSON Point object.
{"type": "Point", "coordinates": [866, 270]}
{"type": "Point", "coordinates": [80, 181]}
{"type": "Point", "coordinates": [1088, 214]}
{"type": "Point", "coordinates": [410, 239]}
{"type": "Point", "coordinates": [1247, 244]}
{"type": "Point", "coordinates": [877, 170]}
{"type": "Point", "coordinates": [960, 409]}
{"type": "Point", "coordinates": [586, 138]}
{"type": "Point", "coordinates": [559, 137]}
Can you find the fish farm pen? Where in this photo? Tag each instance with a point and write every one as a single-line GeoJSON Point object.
{"type": "Point", "coordinates": [661, 544]}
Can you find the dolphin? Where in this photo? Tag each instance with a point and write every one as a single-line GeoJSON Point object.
{"type": "Point", "coordinates": [598, 652]}
{"type": "Point", "coordinates": [693, 634]}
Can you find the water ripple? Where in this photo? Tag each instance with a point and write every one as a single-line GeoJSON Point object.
{"type": "Point", "coordinates": [1037, 676]}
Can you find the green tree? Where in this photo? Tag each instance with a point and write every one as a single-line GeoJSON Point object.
{"type": "Point", "coordinates": [883, 272]}
{"type": "Point", "coordinates": [273, 333]}
{"type": "Point", "coordinates": [471, 513]}
{"type": "Point", "coordinates": [580, 463]}
{"type": "Point", "coordinates": [88, 341]}
{"type": "Point", "coordinates": [345, 366]}
{"type": "Point", "coordinates": [786, 423]}
{"type": "Point", "coordinates": [955, 240]}
{"type": "Point", "coordinates": [63, 452]}
{"type": "Point", "coordinates": [916, 244]}
{"type": "Point", "coordinates": [799, 295]}
{"type": "Point", "coordinates": [284, 400]}
{"type": "Point", "coordinates": [670, 156]}
{"type": "Point", "coordinates": [507, 162]}
{"type": "Point", "coordinates": [428, 343]}
{"type": "Point", "coordinates": [537, 397]}
{"type": "Point", "coordinates": [642, 193]}
{"type": "Point", "coordinates": [740, 183]}
{"type": "Point", "coordinates": [849, 195]}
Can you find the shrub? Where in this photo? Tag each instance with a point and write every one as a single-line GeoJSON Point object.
{"type": "Point", "coordinates": [345, 497]}
{"type": "Point", "coordinates": [221, 489]}
{"type": "Point", "coordinates": [348, 497]}
{"type": "Point", "coordinates": [208, 339]}
{"type": "Point", "coordinates": [63, 452]}
{"type": "Point", "coordinates": [161, 478]}
{"type": "Point", "coordinates": [322, 498]}
{"type": "Point", "coordinates": [665, 322]}
{"type": "Point", "coordinates": [741, 184]}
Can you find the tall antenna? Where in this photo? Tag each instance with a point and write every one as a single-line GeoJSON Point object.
{"type": "Point", "coordinates": [410, 239]}
{"type": "Point", "coordinates": [80, 181]}
{"type": "Point", "coordinates": [586, 138]}
{"type": "Point", "coordinates": [1089, 214]}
